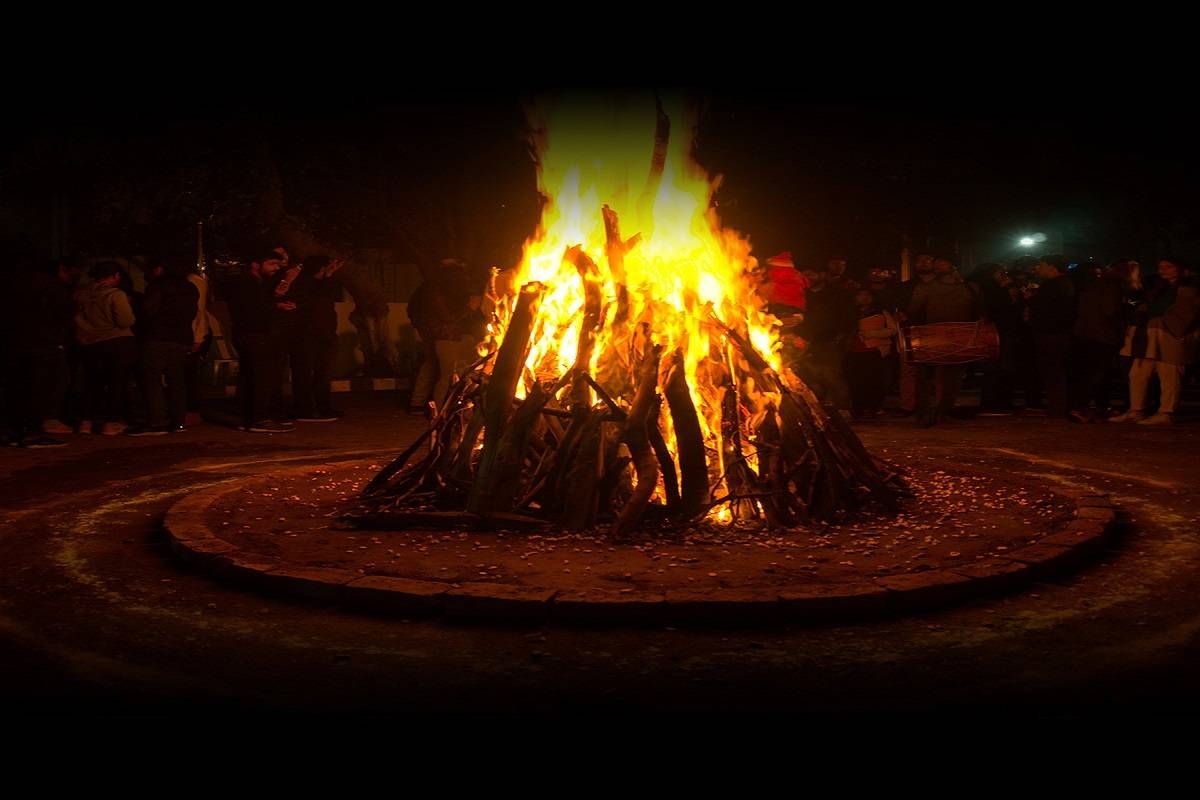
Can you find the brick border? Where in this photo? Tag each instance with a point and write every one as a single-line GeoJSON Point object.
{"type": "Point", "coordinates": [1060, 553]}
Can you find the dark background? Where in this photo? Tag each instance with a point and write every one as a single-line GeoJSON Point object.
{"type": "Point", "coordinates": [434, 174]}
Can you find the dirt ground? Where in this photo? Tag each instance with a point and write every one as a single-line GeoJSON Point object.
{"type": "Point", "coordinates": [954, 518]}
{"type": "Point", "coordinates": [96, 615]}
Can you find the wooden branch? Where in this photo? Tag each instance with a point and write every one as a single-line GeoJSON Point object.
{"type": "Point", "coordinates": [617, 411]}
{"type": "Point", "coordinates": [841, 460]}
{"type": "Point", "coordinates": [666, 464]}
{"type": "Point", "coordinates": [736, 475]}
{"type": "Point", "coordinates": [689, 439]}
{"type": "Point", "coordinates": [581, 479]}
{"type": "Point", "coordinates": [658, 159]}
{"type": "Point", "coordinates": [589, 325]}
{"type": "Point", "coordinates": [502, 387]}
{"type": "Point", "coordinates": [770, 471]}
{"type": "Point", "coordinates": [615, 250]}
{"type": "Point", "coordinates": [637, 439]}
{"type": "Point", "coordinates": [397, 464]}
{"type": "Point", "coordinates": [497, 488]}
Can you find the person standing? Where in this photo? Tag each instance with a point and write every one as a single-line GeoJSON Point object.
{"type": "Point", "coordinates": [253, 306]}
{"type": "Point", "coordinates": [438, 310]}
{"type": "Point", "coordinates": [1097, 335]}
{"type": "Point", "coordinates": [829, 324]}
{"type": "Point", "coordinates": [947, 298]}
{"type": "Point", "coordinates": [784, 289]}
{"type": "Point", "coordinates": [870, 348]}
{"type": "Point", "coordinates": [1052, 317]}
{"type": "Point", "coordinates": [316, 293]}
{"type": "Point", "coordinates": [835, 276]}
{"type": "Point", "coordinates": [1162, 343]}
{"type": "Point", "coordinates": [168, 312]}
{"type": "Point", "coordinates": [922, 274]}
{"type": "Point", "coordinates": [104, 327]}
{"type": "Point", "coordinates": [998, 297]}
{"type": "Point", "coordinates": [201, 340]}
{"type": "Point", "coordinates": [291, 343]}
{"type": "Point", "coordinates": [38, 329]}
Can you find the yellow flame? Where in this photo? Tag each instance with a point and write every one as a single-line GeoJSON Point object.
{"type": "Point", "coordinates": [683, 263]}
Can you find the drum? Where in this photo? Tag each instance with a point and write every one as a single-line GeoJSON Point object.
{"type": "Point", "coordinates": [950, 343]}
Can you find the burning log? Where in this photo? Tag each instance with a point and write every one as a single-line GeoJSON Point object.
{"type": "Point", "coordinates": [415, 474]}
{"type": "Point", "coordinates": [637, 439]}
{"type": "Point", "coordinates": [689, 439]}
{"type": "Point", "coordinates": [587, 442]}
{"type": "Point", "coordinates": [615, 249]}
{"type": "Point", "coordinates": [666, 464]}
{"type": "Point", "coordinates": [841, 460]}
{"type": "Point", "coordinates": [499, 486]}
{"type": "Point", "coordinates": [589, 326]}
{"type": "Point", "coordinates": [581, 481]}
{"type": "Point", "coordinates": [501, 388]}
{"type": "Point", "coordinates": [770, 472]}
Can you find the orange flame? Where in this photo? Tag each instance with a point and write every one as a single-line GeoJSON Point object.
{"type": "Point", "coordinates": [675, 263]}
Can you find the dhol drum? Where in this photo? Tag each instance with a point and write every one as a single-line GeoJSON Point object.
{"type": "Point", "coordinates": [948, 344]}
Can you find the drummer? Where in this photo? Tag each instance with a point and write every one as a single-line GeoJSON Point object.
{"type": "Point", "coordinates": [946, 298]}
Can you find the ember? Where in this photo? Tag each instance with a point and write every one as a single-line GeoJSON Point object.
{"type": "Point", "coordinates": [629, 380]}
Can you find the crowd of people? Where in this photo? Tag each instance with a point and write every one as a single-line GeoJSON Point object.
{"type": "Point", "coordinates": [86, 353]}
{"type": "Point", "coordinates": [1065, 330]}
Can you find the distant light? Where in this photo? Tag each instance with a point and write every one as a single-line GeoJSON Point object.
{"type": "Point", "coordinates": [1027, 241]}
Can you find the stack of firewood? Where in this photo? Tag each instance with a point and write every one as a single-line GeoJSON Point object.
{"type": "Point", "coordinates": [581, 451]}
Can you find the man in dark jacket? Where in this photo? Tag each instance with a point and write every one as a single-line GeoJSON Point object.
{"type": "Point", "coordinates": [38, 331]}
{"type": "Point", "coordinates": [168, 310]}
{"type": "Point", "coordinates": [946, 298]}
{"type": "Point", "coordinates": [315, 292]}
{"type": "Point", "coordinates": [1099, 331]}
{"type": "Point", "coordinates": [998, 297]}
{"type": "Point", "coordinates": [1052, 317]}
{"type": "Point", "coordinates": [830, 323]}
{"type": "Point", "coordinates": [253, 305]}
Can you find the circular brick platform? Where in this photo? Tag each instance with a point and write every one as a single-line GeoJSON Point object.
{"type": "Point", "coordinates": [195, 539]}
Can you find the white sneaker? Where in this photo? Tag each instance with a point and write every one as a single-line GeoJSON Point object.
{"type": "Point", "coordinates": [1158, 419]}
{"type": "Point", "coordinates": [56, 426]}
{"type": "Point", "coordinates": [113, 428]}
{"type": "Point", "coordinates": [1128, 416]}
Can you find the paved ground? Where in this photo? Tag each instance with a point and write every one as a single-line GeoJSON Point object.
{"type": "Point", "coordinates": [96, 616]}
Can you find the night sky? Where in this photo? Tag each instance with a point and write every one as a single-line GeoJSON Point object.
{"type": "Point", "coordinates": [449, 173]}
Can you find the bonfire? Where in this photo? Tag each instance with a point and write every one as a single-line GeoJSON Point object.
{"type": "Point", "coordinates": [632, 374]}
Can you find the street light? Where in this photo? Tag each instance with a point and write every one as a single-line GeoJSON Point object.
{"type": "Point", "coordinates": [1026, 241]}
